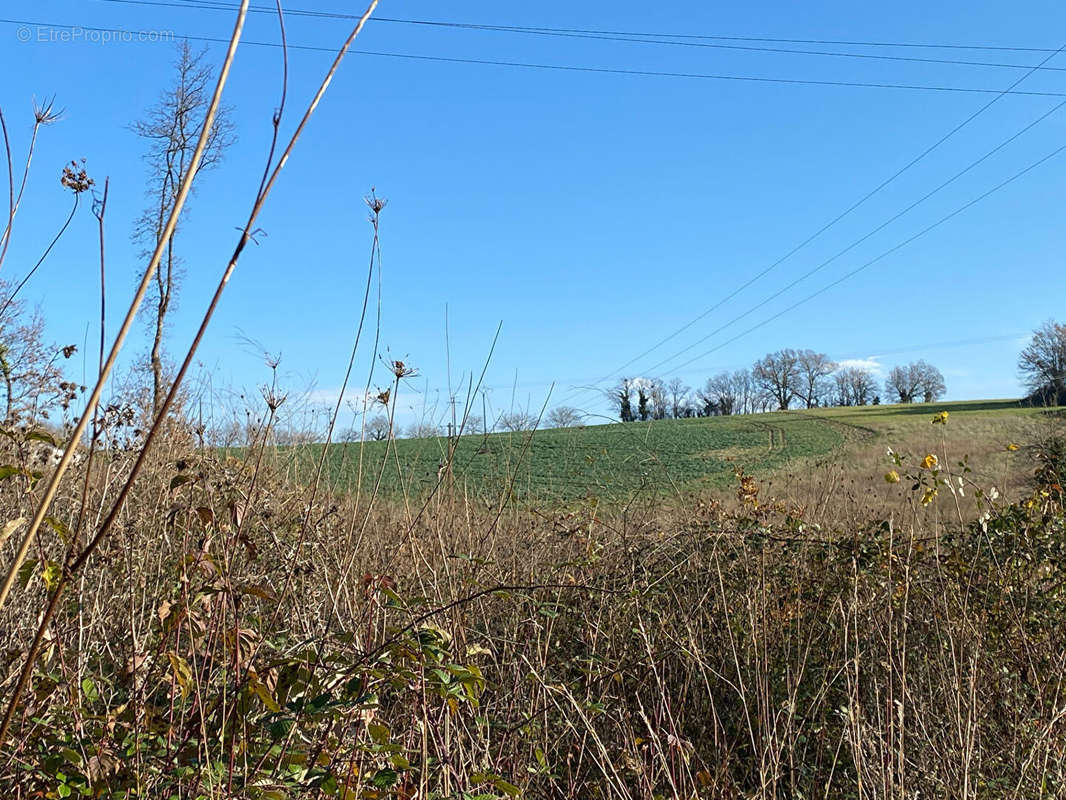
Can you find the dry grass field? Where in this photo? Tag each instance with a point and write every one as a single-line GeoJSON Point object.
{"type": "Point", "coordinates": [812, 631]}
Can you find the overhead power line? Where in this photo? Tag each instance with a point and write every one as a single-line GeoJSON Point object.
{"type": "Point", "coordinates": [648, 39]}
{"type": "Point", "coordinates": [865, 237]}
{"type": "Point", "coordinates": [219, 4]}
{"type": "Point", "coordinates": [881, 257]}
{"type": "Point", "coordinates": [556, 67]}
{"type": "Point", "coordinates": [703, 315]}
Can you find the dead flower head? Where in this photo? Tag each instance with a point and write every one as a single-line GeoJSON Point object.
{"type": "Point", "coordinates": [375, 203]}
{"type": "Point", "coordinates": [46, 114]}
{"type": "Point", "coordinates": [401, 370]}
{"type": "Point", "coordinates": [76, 178]}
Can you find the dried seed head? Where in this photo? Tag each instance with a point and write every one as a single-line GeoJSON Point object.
{"type": "Point", "coordinates": [375, 203]}
{"type": "Point", "coordinates": [76, 178]}
{"type": "Point", "coordinates": [46, 114]}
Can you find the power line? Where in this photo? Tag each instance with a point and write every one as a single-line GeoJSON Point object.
{"type": "Point", "coordinates": [218, 4]}
{"type": "Point", "coordinates": [207, 5]}
{"type": "Point", "coordinates": [912, 348]}
{"type": "Point", "coordinates": [833, 222]}
{"type": "Point", "coordinates": [880, 257]}
{"type": "Point", "coordinates": [865, 237]}
{"type": "Point", "coordinates": [556, 67]}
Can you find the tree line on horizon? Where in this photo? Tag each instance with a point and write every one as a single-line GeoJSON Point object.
{"type": "Point", "coordinates": [778, 381]}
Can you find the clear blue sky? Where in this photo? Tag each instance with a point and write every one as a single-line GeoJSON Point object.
{"type": "Point", "coordinates": [593, 214]}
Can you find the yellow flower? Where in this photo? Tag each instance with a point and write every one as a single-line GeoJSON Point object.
{"type": "Point", "coordinates": [929, 495]}
{"type": "Point", "coordinates": [891, 476]}
{"type": "Point", "coordinates": [941, 418]}
{"type": "Point", "coordinates": [930, 461]}
{"type": "Point", "coordinates": [1011, 447]}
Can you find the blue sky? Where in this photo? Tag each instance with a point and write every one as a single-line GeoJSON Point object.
{"type": "Point", "coordinates": [592, 214]}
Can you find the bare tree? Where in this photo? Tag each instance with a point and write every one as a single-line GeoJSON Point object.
{"type": "Point", "coordinates": [517, 421]}
{"type": "Point", "coordinates": [814, 370]}
{"type": "Point", "coordinates": [378, 429]}
{"type": "Point", "coordinates": [564, 417]}
{"type": "Point", "coordinates": [659, 403]}
{"type": "Point", "coordinates": [777, 374]}
{"type": "Point", "coordinates": [31, 378]}
{"type": "Point", "coordinates": [718, 395]}
{"type": "Point", "coordinates": [678, 394]}
{"type": "Point", "coordinates": [931, 384]}
{"type": "Point", "coordinates": [1042, 364]}
{"type": "Point", "coordinates": [855, 386]}
{"type": "Point", "coordinates": [919, 379]}
{"type": "Point", "coordinates": [422, 430]}
{"type": "Point", "coordinates": [171, 129]}
{"type": "Point", "coordinates": [903, 383]}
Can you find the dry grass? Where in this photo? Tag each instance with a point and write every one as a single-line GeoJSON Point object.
{"type": "Point", "coordinates": [233, 640]}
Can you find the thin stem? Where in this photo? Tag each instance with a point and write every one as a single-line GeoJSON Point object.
{"type": "Point", "coordinates": [58, 236]}
{"type": "Point", "coordinates": [79, 430]}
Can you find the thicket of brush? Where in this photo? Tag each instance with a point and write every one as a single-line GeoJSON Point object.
{"type": "Point", "coordinates": [239, 636]}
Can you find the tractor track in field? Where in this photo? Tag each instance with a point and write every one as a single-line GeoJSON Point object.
{"type": "Point", "coordinates": [850, 430]}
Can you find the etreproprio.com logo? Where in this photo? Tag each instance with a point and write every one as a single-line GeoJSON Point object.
{"type": "Point", "coordinates": [46, 34]}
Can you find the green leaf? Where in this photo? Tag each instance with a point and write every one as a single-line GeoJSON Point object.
{"type": "Point", "coordinates": [263, 693]}
{"type": "Point", "coordinates": [51, 574]}
{"type": "Point", "coordinates": [27, 571]}
{"type": "Point", "coordinates": [508, 789]}
{"type": "Point", "coordinates": [60, 528]}
{"type": "Point", "coordinates": [42, 436]}
{"type": "Point", "coordinates": [384, 778]}
{"type": "Point", "coordinates": [88, 688]}
{"type": "Point", "coordinates": [179, 480]}
{"type": "Point", "coordinates": [379, 733]}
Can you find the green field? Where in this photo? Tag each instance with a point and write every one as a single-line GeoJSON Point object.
{"type": "Point", "coordinates": [619, 462]}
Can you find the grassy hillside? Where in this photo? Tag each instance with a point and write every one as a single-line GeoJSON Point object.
{"type": "Point", "coordinates": [618, 462]}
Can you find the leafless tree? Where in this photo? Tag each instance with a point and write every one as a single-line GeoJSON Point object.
{"type": "Point", "coordinates": [517, 421]}
{"type": "Point", "coordinates": [564, 417]}
{"type": "Point", "coordinates": [378, 429]}
{"type": "Point", "coordinates": [31, 376]}
{"type": "Point", "coordinates": [903, 383]}
{"type": "Point", "coordinates": [814, 370]}
{"type": "Point", "coordinates": [855, 386]}
{"type": "Point", "coordinates": [171, 129]}
{"type": "Point", "coordinates": [423, 430]}
{"type": "Point", "coordinates": [657, 397]}
{"type": "Point", "coordinates": [718, 395]}
{"type": "Point", "coordinates": [931, 384]}
{"type": "Point", "coordinates": [1042, 364]}
{"type": "Point", "coordinates": [777, 375]}
{"type": "Point", "coordinates": [917, 380]}
{"type": "Point", "coordinates": [473, 424]}
{"type": "Point", "coordinates": [678, 394]}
